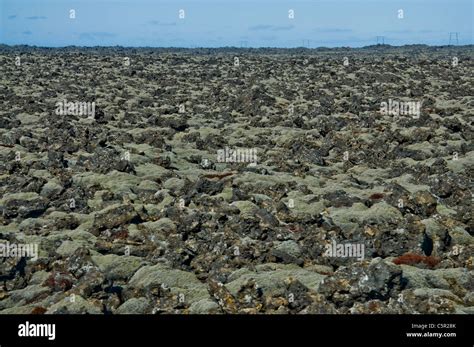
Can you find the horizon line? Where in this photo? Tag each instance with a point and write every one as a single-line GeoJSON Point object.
{"type": "Point", "coordinates": [241, 47]}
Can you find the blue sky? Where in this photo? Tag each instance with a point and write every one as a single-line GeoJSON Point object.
{"type": "Point", "coordinates": [255, 23]}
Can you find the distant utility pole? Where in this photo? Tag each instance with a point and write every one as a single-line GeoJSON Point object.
{"type": "Point", "coordinates": [454, 37]}
{"type": "Point", "coordinates": [380, 40]}
{"type": "Point", "coordinates": [306, 43]}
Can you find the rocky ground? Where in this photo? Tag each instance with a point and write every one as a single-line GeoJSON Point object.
{"type": "Point", "coordinates": [133, 212]}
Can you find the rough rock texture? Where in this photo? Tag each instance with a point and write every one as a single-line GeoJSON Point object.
{"type": "Point", "coordinates": [333, 206]}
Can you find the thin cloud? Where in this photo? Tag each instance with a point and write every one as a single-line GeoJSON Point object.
{"type": "Point", "coordinates": [283, 28]}
{"type": "Point", "coordinates": [408, 31]}
{"type": "Point", "coordinates": [267, 27]}
{"type": "Point", "coordinates": [27, 32]}
{"type": "Point", "coordinates": [13, 16]}
{"type": "Point", "coordinates": [36, 17]}
{"type": "Point", "coordinates": [332, 30]}
{"type": "Point", "coordinates": [162, 24]}
{"type": "Point", "coordinates": [260, 27]}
